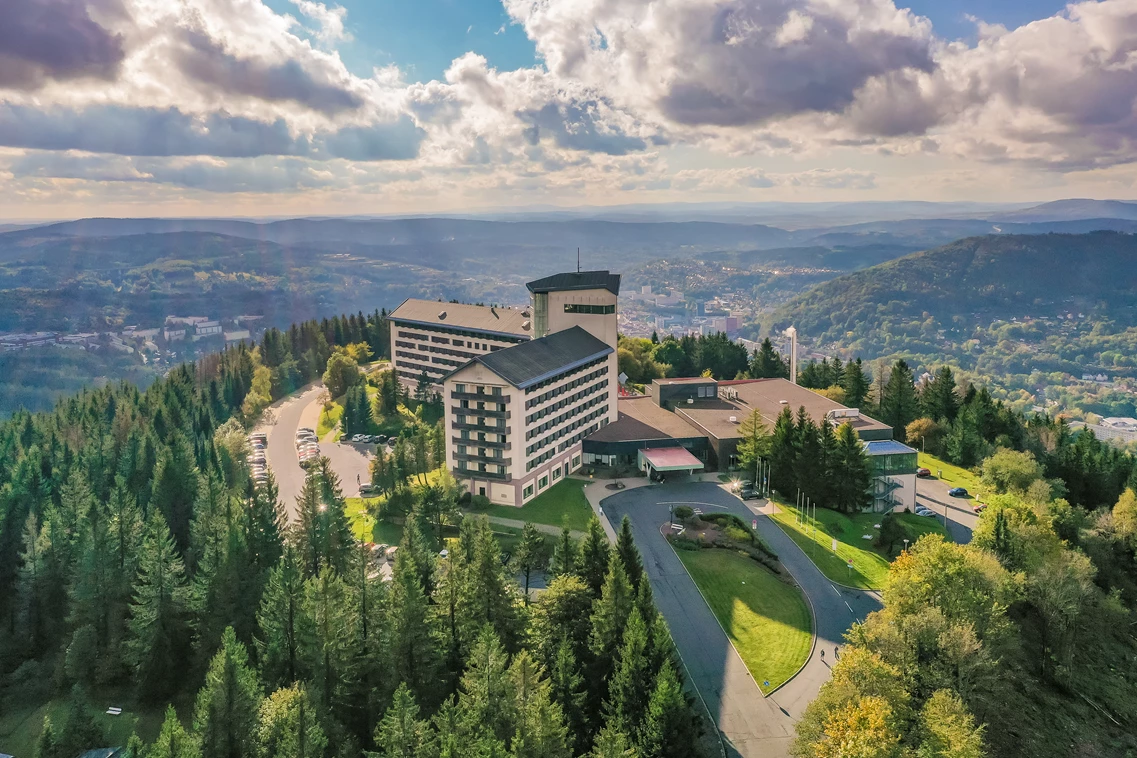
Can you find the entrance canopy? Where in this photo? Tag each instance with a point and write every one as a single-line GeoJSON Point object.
{"type": "Point", "coordinates": [668, 459]}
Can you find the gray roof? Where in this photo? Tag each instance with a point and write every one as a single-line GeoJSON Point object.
{"type": "Point", "coordinates": [577, 280]}
{"type": "Point", "coordinates": [479, 318]}
{"type": "Point", "coordinates": [536, 360]}
{"type": "Point", "coordinates": [886, 447]}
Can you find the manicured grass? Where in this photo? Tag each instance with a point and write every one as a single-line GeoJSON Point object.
{"type": "Point", "coordinates": [562, 503]}
{"type": "Point", "coordinates": [765, 618]}
{"type": "Point", "coordinates": [328, 419]}
{"type": "Point", "coordinates": [20, 727]}
{"type": "Point", "coordinates": [953, 475]}
{"type": "Point", "coordinates": [870, 564]}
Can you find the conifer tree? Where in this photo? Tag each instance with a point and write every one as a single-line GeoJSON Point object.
{"type": "Point", "coordinates": [540, 730]}
{"type": "Point", "coordinates": [855, 384]}
{"type": "Point", "coordinates": [413, 653]}
{"type": "Point", "coordinates": [612, 743]}
{"type": "Point", "coordinates": [288, 726]}
{"type": "Point", "coordinates": [609, 617]}
{"type": "Point", "coordinates": [564, 560]}
{"type": "Point", "coordinates": [561, 613]}
{"type": "Point", "coordinates": [80, 732]}
{"type": "Point", "coordinates": [46, 746]}
{"type": "Point", "coordinates": [158, 630]}
{"type": "Point", "coordinates": [898, 406]}
{"type": "Point", "coordinates": [280, 620]}
{"type": "Point", "coordinates": [401, 734]}
{"type": "Point", "coordinates": [670, 729]}
{"type": "Point", "coordinates": [566, 687]}
{"type": "Point", "coordinates": [594, 555]}
{"type": "Point", "coordinates": [531, 555]}
{"type": "Point", "coordinates": [488, 595]}
{"type": "Point", "coordinates": [853, 478]}
{"type": "Point", "coordinates": [629, 554]}
{"type": "Point", "coordinates": [173, 740]}
{"type": "Point", "coordinates": [630, 683]}
{"type": "Point", "coordinates": [176, 483]}
{"type": "Point", "coordinates": [327, 647]}
{"type": "Point", "coordinates": [225, 715]}
{"type": "Point", "coordinates": [486, 704]}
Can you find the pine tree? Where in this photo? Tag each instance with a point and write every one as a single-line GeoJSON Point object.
{"type": "Point", "coordinates": [670, 729]}
{"type": "Point", "coordinates": [939, 401]}
{"type": "Point", "coordinates": [783, 454]}
{"type": "Point", "coordinates": [594, 554]}
{"type": "Point", "coordinates": [173, 740]}
{"type": "Point", "coordinates": [532, 555]}
{"type": "Point", "coordinates": [564, 559]}
{"type": "Point", "coordinates": [898, 406]}
{"type": "Point", "coordinates": [264, 525]}
{"type": "Point", "coordinates": [853, 472]}
{"type": "Point", "coordinates": [767, 363]}
{"type": "Point", "coordinates": [855, 384]}
{"type": "Point", "coordinates": [327, 642]}
{"type": "Point", "coordinates": [486, 702]}
{"type": "Point", "coordinates": [612, 743]}
{"type": "Point", "coordinates": [610, 614]}
{"type": "Point", "coordinates": [401, 734]}
{"type": "Point", "coordinates": [540, 730]}
{"type": "Point", "coordinates": [225, 715]}
{"type": "Point", "coordinates": [46, 746]}
{"type": "Point", "coordinates": [413, 653]}
{"type": "Point", "coordinates": [176, 483]}
{"type": "Point", "coordinates": [629, 554]}
{"type": "Point", "coordinates": [158, 631]}
{"type": "Point", "coordinates": [630, 684]}
{"type": "Point", "coordinates": [561, 613]}
{"type": "Point", "coordinates": [566, 687]}
{"type": "Point", "coordinates": [288, 726]}
{"type": "Point", "coordinates": [80, 732]}
{"type": "Point", "coordinates": [488, 595]}
{"type": "Point", "coordinates": [280, 620]}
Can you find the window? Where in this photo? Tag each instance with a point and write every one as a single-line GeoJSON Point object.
{"type": "Point", "coordinates": [556, 473]}
{"type": "Point", "coordinates": [543, 482]}
{"type": "Point", "coordinates": [575, 461]}
{"type": "Point", "coordinates": [459, 343]}
{"type": "Point", "coordinates": [527, 492]}
{"type": "Point", "coordinates": [459, 388]}
{"type": "Point", "coordinates": [584, 308]}
{"type": "Point", "coordinates": [461, 450]}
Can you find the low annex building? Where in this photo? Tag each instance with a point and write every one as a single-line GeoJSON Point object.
{"type": "Point", "coordinates": [516, 416]}
{"type": "Point", "coordinates": [703, 416]}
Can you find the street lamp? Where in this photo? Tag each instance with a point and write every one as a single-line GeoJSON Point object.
{"type": "Point", "coordinates": [906, 544]}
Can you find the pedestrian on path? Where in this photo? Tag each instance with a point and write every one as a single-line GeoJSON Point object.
{"type": "Point", "coordinates": [835, 653]}
{"type": "Point", "coordinates": [823, 655]}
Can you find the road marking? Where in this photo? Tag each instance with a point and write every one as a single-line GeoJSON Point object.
{"type": "Point", "coordinates": [850, 608]}
{"type": "Point", "coordinates": [690, 502]}
{"type": "Point", "coordinates": [836, 590]}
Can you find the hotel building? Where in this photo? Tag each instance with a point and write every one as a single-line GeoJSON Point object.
{"type": "Point", "coordinates": [516, 416]}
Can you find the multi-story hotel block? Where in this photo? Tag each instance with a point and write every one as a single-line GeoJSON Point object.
{"type": "Point", "coordinates": [434, 338]}
{"type": "Point", "coordinates": [516, 415]}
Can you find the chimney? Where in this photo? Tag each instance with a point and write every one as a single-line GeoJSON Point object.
{"type": "Point", "coordinates": [792, 334]}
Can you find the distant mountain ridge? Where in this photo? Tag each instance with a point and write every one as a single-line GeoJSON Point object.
{"type": "Point", "coordinates": [1073, 209]}
{"type": "Point", "coordinates": [996, 276]}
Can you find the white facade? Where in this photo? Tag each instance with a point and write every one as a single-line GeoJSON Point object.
{"type": "Point", "coordinates": [437, 350]}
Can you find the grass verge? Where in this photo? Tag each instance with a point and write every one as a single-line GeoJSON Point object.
{"type": "Point", "coordinates": [870, 564]}
{"type": "Point", "coordinates": [562, 503]}
{"type": "Point", "coordinates": [952, 474]}
{"type": "Point", "coordinates": [328, 419]}
{"type": "Point", "coordinates": [766, 618]}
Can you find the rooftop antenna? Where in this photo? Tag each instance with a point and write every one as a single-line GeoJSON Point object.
{"type": "Point", "coordinates": [578, 260]}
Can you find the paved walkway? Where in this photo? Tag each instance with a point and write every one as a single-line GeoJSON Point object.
{"type": "Point", "coordinates": [752, 726]}
{"type": "Point", "coordinates": [519, 524]}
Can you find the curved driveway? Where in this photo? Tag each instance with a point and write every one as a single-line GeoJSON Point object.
{"type": "Point", "coordinates": [751, 725]}
{"type": "Point", "coordinates": [349, 462]}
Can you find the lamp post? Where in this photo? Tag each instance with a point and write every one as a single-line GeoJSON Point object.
{"type": "Point", "coordinates": [906, 544]}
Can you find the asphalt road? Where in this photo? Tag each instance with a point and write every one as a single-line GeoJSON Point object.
{"type": "Point", "coordinates": [751, 725]}
{"type": "Point", "coordinates": [955, 513]}
{"type": "Point", "coordinates": [350, 462]}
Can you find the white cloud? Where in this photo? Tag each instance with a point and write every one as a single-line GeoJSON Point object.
{"type": "Point", "coordinates": [330, 21]}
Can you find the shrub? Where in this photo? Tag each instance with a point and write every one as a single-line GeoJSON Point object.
{"type": "Point", "coordinates": [738, 530]}
{"type": "Point", "coordinates": [464, 499]}
{"type": "Point", "coordinates": [686, 543]}
{"type": "Point", "coordinates": [479, 503]}
{"type": "Point", "coordinates": [684, 512]}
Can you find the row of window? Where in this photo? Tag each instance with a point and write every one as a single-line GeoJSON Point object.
{"type": "Point", "coordinates": [557, 421]}
{"type": "Point", "coordinates": [490, 468]}
{"type": "Point", "coordinates": [465, 333]}
{"type": "Point", "coordinates": [566, 444]}
{"type": "Point", "coordinates": [565, 402]}
{"type": "Point", "coordinates": [417, 368]}
{"type": "Point", "coordinates": [465, 434]}
{"type": "Point", "coordinates": [481, 452]}
{"type": "Point", "coordinates": [543, 481]}
{"type": "Point", "coordinates": [481, 421]}
{"type": "Point", "coordinates": [497, 407]}
{"type": "Point", "coordinates": [559, 378]}
{"type": "Point", "coordinates": [533, 402]}
{"type": "Point", "coordinates": [584, 308]}
{"type": "Point", "coordinates": [480, 389]}
{"type": "Point", "coordinates": [601, 411]}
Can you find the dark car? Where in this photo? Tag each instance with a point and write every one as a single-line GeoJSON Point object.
{"type": "Point", "coordinates": [957, 492]}
{"type": "Point", "coordinates": [748, 493]}
{"type": "Point", "coordinates": [923, 473]}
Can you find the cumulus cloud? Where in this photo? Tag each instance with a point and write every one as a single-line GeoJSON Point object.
{"type": "Point", "coordinates": [42, 40]}
{"type": "Point", "coordinates": [329, 20]}
{"type": "Point", "coordinates": [727, 63]}
{"type": "Point", "coordinates": [209, 62]}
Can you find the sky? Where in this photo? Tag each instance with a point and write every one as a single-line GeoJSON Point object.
{"type": "Point", "coordinates": [297, 107]}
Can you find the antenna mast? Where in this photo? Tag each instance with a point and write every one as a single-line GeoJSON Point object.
{"type": "Point", "coordinates": [578, 260]}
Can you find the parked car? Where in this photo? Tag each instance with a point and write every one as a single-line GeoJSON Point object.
{"type": "Point", "coordinates": [748, 493]}
{"type": "Point", "coordinates": [367, 489]}
{"type": "Point", "coordinates": [923, 473]}
{"type": "Point", "coordinates": [957, 492]}
{"type": "Point", "coordinates": [979, 507]}
{"type": "Point", "coordinates": [924, 512]}
{"type": "Point", "coordinates": [379, 438]}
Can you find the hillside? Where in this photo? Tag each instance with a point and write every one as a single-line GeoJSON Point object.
{"type": "Point", "coordinates": [1020, 311]}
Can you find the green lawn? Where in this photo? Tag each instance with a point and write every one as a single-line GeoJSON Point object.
{"type": "Point", "coordinates": [328, 419]}
{"type": "Point", "coordinates": [953, 475]}
{"type": "Point", "coordinates": [20, 727]}
{"type": "Point", "coordinates": [765, 618]}
{"type": "Point", "coordinates": [870, 565]}
{"type": "Point", "coordinates": [562, 503]}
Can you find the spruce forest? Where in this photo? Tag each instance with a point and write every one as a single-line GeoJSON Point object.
{"type": "Point", "coordinates": [138, 557]}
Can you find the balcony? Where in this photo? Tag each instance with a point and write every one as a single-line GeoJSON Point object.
{"type": "Point", "coordinates": [490, 428]}
{"type": "Point", "coordinates": [467, 474]}
{"type": "Point", "coordinates": [484, 413]}
{"type": "Point", "coordinates": [482, 443]}
{"type": "Point", "coordinates": [475, 458]}
{"type": "Point", "coordinates": [483, 397]}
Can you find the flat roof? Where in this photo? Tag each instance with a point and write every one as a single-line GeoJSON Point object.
{"type": "Point", "coordinates": [765, 396]}
{"type": "Point", "coordinates": [670, 458]}
{"type": "Point", "coordinates": [577, 280]}
{"type": "Point", "coordinates": [480, 318]}
{"type": "Point", "coordinates": [641, 418]}
{"type": "Point", "coordinates": [886, 447]}
{"type": "Point", "coordinates": [534, 361]}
